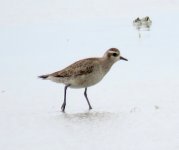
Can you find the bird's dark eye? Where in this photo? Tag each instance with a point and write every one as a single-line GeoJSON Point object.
{"type": "Point", "coordinates": [115, 54]}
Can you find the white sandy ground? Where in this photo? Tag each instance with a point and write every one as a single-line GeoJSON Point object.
{"type": "Point", "coordinates": [136, 106]}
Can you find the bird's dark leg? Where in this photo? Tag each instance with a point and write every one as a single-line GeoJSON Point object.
{"type": "Point", "coordinates": [64, 103]}
{"type": "Point", "coordinates": [85, 93]}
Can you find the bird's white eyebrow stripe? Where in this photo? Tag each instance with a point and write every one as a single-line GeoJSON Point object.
{"type": "Point", "coordinates": [112, 52]}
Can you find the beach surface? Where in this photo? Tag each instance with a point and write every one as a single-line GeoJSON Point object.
{"type": "Point", "coordinates": [135, 107]}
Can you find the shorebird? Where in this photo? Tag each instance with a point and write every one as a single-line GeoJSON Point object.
{"type": "Point", "coordinates": [146, 21]}
{"type": "Point", "coordinates": [85, 73]}
{"type": "Point", "coordinates": [137, 22]}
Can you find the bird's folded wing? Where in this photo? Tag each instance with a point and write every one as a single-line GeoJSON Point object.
{"type": "Point", "coordinates": [75, 69]}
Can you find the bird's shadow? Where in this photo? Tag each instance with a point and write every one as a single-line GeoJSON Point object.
{"type": "Point", "coordinates": [89, 116]}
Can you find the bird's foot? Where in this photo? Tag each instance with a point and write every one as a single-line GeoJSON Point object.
{"type": "Point", "coordinates": [90, 108]}
{"type": "Point", "coordinates": [63, 107]}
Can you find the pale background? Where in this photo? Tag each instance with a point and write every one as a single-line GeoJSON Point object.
{"type": "Point", "coordinates": [135, 107]}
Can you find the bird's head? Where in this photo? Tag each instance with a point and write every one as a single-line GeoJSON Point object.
{"type": "Point", "coordinates": [113, 54]}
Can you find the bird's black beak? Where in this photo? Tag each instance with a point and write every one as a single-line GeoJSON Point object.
{"type": "Point", "coordinates": [123, 58]}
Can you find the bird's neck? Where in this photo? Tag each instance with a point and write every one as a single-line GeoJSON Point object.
{"type": "Point", "coordinates": [106, 65]}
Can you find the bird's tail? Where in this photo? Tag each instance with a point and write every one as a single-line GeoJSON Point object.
{"type": "Point", "coordinates": [43, 76]}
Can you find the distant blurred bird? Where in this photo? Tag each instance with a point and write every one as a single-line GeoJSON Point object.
{"type": "Point", "coordinates": [137, 22]}
{"type": "Point", "coordinates": [146, 21]}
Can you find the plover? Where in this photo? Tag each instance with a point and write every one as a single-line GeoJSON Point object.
{"type": "Point", "coordinates": [137, 22]}
{"type": "Point", "coordinates": [85, 73]}
{"type": "Point", "coordinates": [146, 21]}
